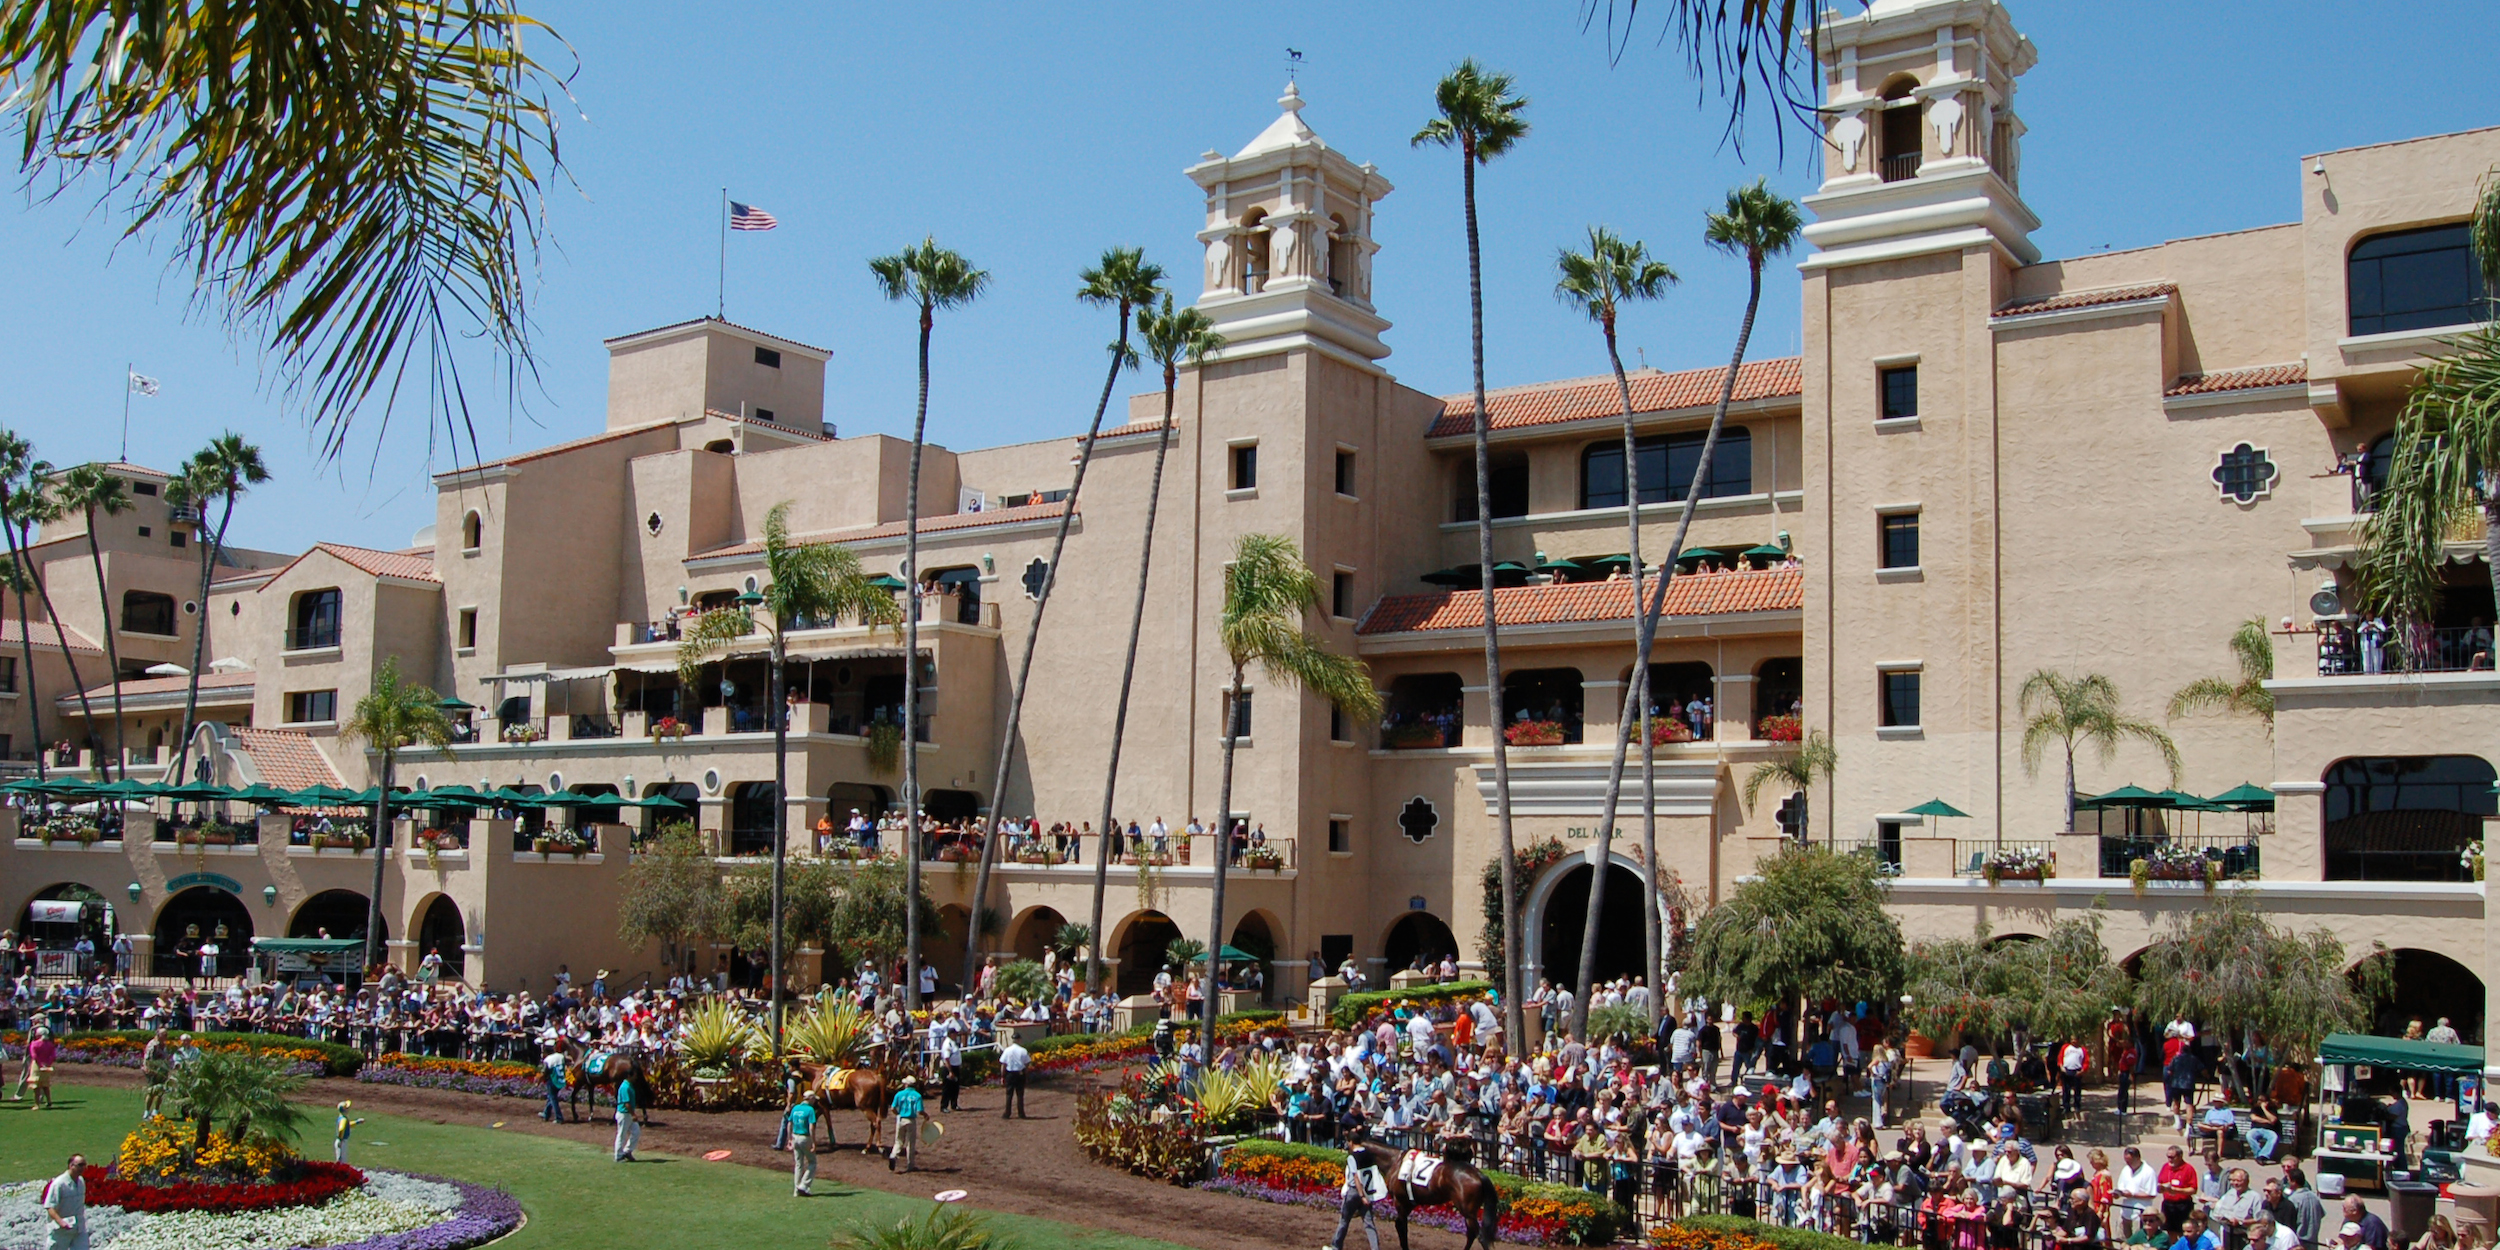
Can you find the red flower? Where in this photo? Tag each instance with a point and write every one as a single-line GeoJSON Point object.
{"type": "Point", "coordinates": [314, 1184]}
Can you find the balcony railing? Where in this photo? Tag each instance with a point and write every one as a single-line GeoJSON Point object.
{"type": "Point", "coordinates": [312, 637]}
{"type": "Point", "coordinates": [521, 730]}
{"type": "Point", "coordinates": [1899, 168]}
{"type": "Point", "coordinates": [2182, 856]}
{"type": "Point", "coordinates": [1421, 733]}
{"type": "Point", "coordinates": [1971, 856]}
{"type": "Point", "coordinates": [2348, 651]}
{"type": "Point", "coordinates": [588, 725]}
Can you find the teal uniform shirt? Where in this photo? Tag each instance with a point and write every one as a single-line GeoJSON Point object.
{"type": "Point", "coordinates": [907, 1105]}
{"type": "Point", "coordinates": [802, 1120]}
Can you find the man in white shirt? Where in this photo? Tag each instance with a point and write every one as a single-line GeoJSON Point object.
{"type": "Point", "coordinates": [1419, 1034]}
{"type": "Point", "coordinates": [65, 1205]}
{"type": "Point", "coordinates": [1013, 1059]}
{"type": "Point", "coordinates": [951, 1071]}
{"type": "Point", "coordinates": [2138, 1189]}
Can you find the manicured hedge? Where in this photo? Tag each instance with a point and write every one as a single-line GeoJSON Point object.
{"type": "Point", "coordinates": [123, 1047]}
{"type": "Point", "coordinates": [1783, 1238]}
{"type": "Point", "coordinates": [1351, 1009]}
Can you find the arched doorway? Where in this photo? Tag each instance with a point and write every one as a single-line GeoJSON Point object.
{"type": "Point", "coordinates": [440, 931]}
{"type": "Point", "coordinates": [655, 819]}
{"type": "Point", "coordinates": [2430, 985]}
{"type": "Point", "coordinates": [1254, 935]}
{"type": "Point", "coordinates": [1417, 938]}
{"type": "Point", "coordinates": [1621, 945]}
{"type": "Point", "coordinates": [333, 913]}
{"type": "Point", "coordinates": [754, 817]}
{"type": "Point", "coordinates": [1142, 943]}
{"type": "Point", "coordinates": [950, 806]}
{"type": "Point", "coordinates": [845, 797]}
{"type": "Point", "coordinates": [1034, 932]}
{"type": "Point", "coordinates": [199, 915]}
{"type": "Point", "coordinates": [61, 914]}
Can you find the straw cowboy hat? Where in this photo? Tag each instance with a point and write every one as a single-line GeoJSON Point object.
{"type": "Point", "coordinates": [1788, 1158]}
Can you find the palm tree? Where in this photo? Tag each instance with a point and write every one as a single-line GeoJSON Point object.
{"type": "Point", "coordinates": [2082, 711]}
{"type": "Point", "coordinates": [2253, 647]}
{"type": "Point", "coordinates": [88, 489]}
{"type": "Point", "coordinates": [1127, 283]}
{"type": "Point", "coordinates": [349, 179]}
{"type": "Point", "coordinates": [27, 502]}
{"type": "Point", "coordinates": [1171, 336]}
{"type": "Point", "coordinates": [393, 715]}
{"type": "Point", "coordinates": [1267, 591]}
{"type": "Point", "coordinates": [1480, 117]}
{"type": "Point", "coordinates": [1598, 282]}
{"type": "Point", "coordinates": [2447, 451]}
{"type": "Point", "coordinates": [806, 586]}
{"type": "Point", "coordinates": [249, 1093]}
{"type": "Point", "coordinates": [1814, 759]}
{"type": "Point", "coordinates": [931, 277]}
{"type": "Point", "coordinates": [16, 454]}
{"type": "Point", "coordinates": [223, 470]}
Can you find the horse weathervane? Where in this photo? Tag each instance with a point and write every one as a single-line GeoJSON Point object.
{"type": "Point", "coordinates": [1293, 63]}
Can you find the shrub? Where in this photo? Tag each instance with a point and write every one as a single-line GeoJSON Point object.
{"type": "Point", "coordinates": [469, 1076]}
{"type": "Point", "coordinates": [1354, 1008]}
{"type": "Point", "coordinates": [1023, 981]}
{"type": "Point", "coordinates": [1065, 1052]}
{"type": "Point", "coordinates": [121, 1048]}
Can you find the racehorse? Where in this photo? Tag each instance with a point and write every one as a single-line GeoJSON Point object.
{"type": "Point", "coordinates": [866, 1090]}
{"type": "Point", "coordinates": [1456, 1184]}
{"type": "Point", "coordinates": [617, 1068]}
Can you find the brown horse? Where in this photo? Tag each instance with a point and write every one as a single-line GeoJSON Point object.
{"type": "Point", "coordinates": [866, 1090]}
{"type": "Point", "coordinates": [618, 1068]}
{"type": "Point", "coordinates": [1457, 1184]}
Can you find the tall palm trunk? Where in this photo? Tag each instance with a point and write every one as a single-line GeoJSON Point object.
{"type": "Point", "coordinates": [26, 636]}
{"type": "Point", "coordinates": [60, 635]}
{"type": "Point", "coordinates": [381, 852]}
{"type": "Point", "coordinates": [199, 641]}
{"type": "Point", "coordinates": [1128, 677]}
{"type": "Point", "coordinates": [1513, 1019]}
{"type": "Point", "coordinates": [1024, 663]}
{"type": "Point", "coordinates": [778, 707]}
{"type": "Point", "coordinates": [911, 687]}
{"type": "Point", "coordinates": [1633, 718]}
{"type": "Point", "coordinates": [1223, 860]}
{"type": "Point", "coordinates": [112, 653]}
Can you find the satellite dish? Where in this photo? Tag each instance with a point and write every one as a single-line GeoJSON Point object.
{"type": "Point", "coordinates": [2326, 602]}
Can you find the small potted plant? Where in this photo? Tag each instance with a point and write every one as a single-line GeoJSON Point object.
{"type": "Point", "coordinates": [2017, 864]}
{"type": "Point", "coordinates": [521, 732]}
{"type": "Point", "coordinates": [1263, 859]}
{"type": "Point", "coordinates": [668, 727]}
{"type": "Point", "coordinates": [1534, 733]}
{"type": "Point", "coordinates": [1666, 731]}
{"type": "Point", "coordinates": [1781, 729]}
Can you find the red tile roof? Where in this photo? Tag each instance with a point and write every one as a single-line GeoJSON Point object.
{"type": "Point", "coordinates": [13, 633]}
{"type": "Point", "coordinates": [1706, 594]}
{"type": "Point", "coordinates": [2292, 374]}
{"type": "Point", "coordinates": [2088, 299]}
{"type": "Point", "coordinates": [403, 564]}
{"type": "Point", "coordinates": [894, 529]}
{"type": "Point", "coordinates": [1576, 399]}
{"type": "Point", "coordinates": [288, 759]}
{"type": "Point", "coordinates": [774, 426]}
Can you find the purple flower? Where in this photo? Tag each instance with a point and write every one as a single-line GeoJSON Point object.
{"type": "Point", "coordinates": [484, 1215]}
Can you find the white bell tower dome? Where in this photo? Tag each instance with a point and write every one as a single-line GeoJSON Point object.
{"type": "Point", "coordinates": [1289, 245]}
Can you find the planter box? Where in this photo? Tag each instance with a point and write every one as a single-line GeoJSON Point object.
{"type": "Point", "coordinates": [549, 847]}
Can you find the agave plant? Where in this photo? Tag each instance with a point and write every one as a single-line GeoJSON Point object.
{"type": "Point", "coordinates": [1620, 1023]}
{"type": "Point", "coordinates": [1224, 1097]}
{"type": "Point", "coordinates": [829, 1031]}
{"type": "Point", "coordinates": [718, 1036]}
{"type": "Point", "coordinates": [943, 1228]}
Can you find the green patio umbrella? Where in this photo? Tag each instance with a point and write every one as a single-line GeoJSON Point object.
{"type": "Point", "coordinates": [1700, 553]}
{"type": "Point", "coordinates": [1767, 549]}
{"type": "Point", "coordinates": [1936, 807]}
{"type": "Point", "coordinates": [453, 703]}
{"type": "Point", "coordinates": [1232, 955]}
{"type": "Point", "coordinates": [265, 795]}
{"type": "Point", "coordinates": [2246, 798]}
{"type": "Point", "coordinates": [2186, 802]}
{"type": "Point", "coordinates": [2125, 796]}
{"type": "Point", "coordinates": [887, 581]}
{"type": "Point", "coordinates": [324, 796]}
{"type": "Point", "coordinates": [1456, 575]}
{"type": "Point", "coordinates": [445, 796]}
{"type": "Point", "coordinates": [198, 791]}
{"type": "Point", "coordinates": [655, 801]}
{"type": "Point", "coordinates": [572, 798]}
{"type": "Point", "coordinates": [1617, 560]}
{"type": "Point", "coordinates": [37, 785]}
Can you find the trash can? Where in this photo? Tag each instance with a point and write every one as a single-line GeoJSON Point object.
{"type": "Point", "coordinates": [2409, 1205]}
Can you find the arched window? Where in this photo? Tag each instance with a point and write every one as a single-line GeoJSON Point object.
{"type": "Point", "coordinates": [1901, 144]}
{"type": "Point", "coordinates": [1538, 702]}
{"type": "Point", "coordinates": [147, 612]}
{"type": "Point", "coordinates": [965, 584]}
{"type": "Point", "coordinates": [1254, 251]}
{"type": "Point", "coordinates": [314, 621]}
{"type": "Point", "coordinates": [1344, 258]}
{"type": "Point", "coordinates": [1673, 690]}
{"type": "Point", "coordinates": [1424, 711]}
{"type": "Point", "coordinates": [472, 532]}
{"type": "Point", "coordinates": [1666, 468]}
{"type": "Point", "coordinates": [2415, 280]}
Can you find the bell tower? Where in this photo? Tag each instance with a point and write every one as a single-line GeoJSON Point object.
{"type": "Point", "coordinates": [1925, 149]}
{"type": "Point", "coordinates": [1289, 245]}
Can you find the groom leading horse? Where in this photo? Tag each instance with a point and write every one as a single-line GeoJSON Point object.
{"type": "Point", "coordinates": [1432, 1181]}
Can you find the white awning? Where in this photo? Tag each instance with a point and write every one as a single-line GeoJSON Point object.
{"type": "Point", "coordinates": [54, 912]}
{"type": "Point", "coordinates": [550, 674]}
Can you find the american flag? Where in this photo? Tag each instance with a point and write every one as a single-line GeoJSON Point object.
{"type": "Point", "coordinates": [749, 217]}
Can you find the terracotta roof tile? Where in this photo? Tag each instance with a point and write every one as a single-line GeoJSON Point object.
{"type": "Point", "coordinates": [894, 529]}
{"type": "Point", "coordinates": [403, 564]}
{"type": "Point", "coordinates": [13, 638]}
{"type": "Point", "coordinates": [775, 426]}
{"type": "Point", "coordinates": [1577, 399]}
{"type": "Point", "coordinates": [288, 759]}
{"type": "Point", "coordinates": [1708, 594]}
{"type": "Point", "coordinates": [2240, 379]}
{"type": "Point", "coordinates": [2088, 299]}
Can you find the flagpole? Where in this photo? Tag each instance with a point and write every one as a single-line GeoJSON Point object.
{"type": "Point", "coordinates": [126, 368]}
{"type": "Point", "coordinates": [721, 296]}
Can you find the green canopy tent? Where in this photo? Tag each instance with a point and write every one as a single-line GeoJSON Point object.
{"type": "Point", "coordinates": [2400, 1053]}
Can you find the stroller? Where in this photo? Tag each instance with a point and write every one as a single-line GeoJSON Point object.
{"type": "Point", "coordinates": [1967, 1113]}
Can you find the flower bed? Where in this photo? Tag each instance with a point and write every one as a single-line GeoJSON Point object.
{"type": "Point", "coordinates": [315, 1183]}
{"type": "Point", "coordinates": [1667, 732]}
{"type": "Point", "coordinates": [121, 1048]}
{"type": "Point", "coordinates": [1735, 1232]}
{"type": "Point", "coordinates": [468, 1076]}
{"type": "Point", "coordinates": [385, 1211]}
{"type": "Point", "coordinates": [1532, 1213]}
{"type": "Point", "coordinates": [1077, 1052]}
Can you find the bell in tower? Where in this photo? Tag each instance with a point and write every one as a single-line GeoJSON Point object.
{"type": "Point", "coordinates": [1289, 244]}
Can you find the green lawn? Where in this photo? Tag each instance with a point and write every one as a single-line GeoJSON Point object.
{"type": "Point", "coordinates": [575, 1195]}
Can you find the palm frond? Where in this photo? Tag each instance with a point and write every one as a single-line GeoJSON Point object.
{"type": "Point", "coordinates": [1759, 45]}
{"type": "Point", "coordinates": [930, 276]}
{"type": "Point", "coordinates": [353, 182]}
{"type": "Point", "coordinates": [711, 635]}
{"type": "Point", "coordinates": [1479, 114]}
{"type": "Point", "coordinates": [1267, 592]}
{"type": "Point", "coordinates": [396, 713]}
{"type": "Point", "coordinates": [2447, 445]}
{"type": "Point", "coordinates": [1614, 270]}
{"type": "Point", "coordinates": [1758, 223]}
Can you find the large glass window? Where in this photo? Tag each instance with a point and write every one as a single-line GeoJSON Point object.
{"type": "Point", "coordinates": [1666, 468]}
{"type": "Point", "coordinates": [1900, 540]}
{"type": "Point", "coordinates": [316, 622]}
{"type": "Point", "coordinates": [2415, 280]}
{"type": "Point", "coordinates": [147, 612]}
{"type": "Point", "coordinates": [1900, 691]}
{"type": "Point", "coordinates": [2405, 818]}
{"type": "Point", "coordinates": [1900, 391]}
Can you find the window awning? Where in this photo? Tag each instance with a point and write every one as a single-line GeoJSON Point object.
{"type": "Point", "coordinates": [551, 674]}
{"type": "Point", "coordinates": [52, 912]}
{"type": "Point", "coordinates": [2399, 1053]}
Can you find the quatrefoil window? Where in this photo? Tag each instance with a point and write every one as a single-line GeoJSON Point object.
{"type": "Point", "coordinates": [2245, 473]}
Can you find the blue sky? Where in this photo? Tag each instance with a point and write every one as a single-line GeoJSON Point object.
{"type": "Point", "coordinates": [1032, 138]}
